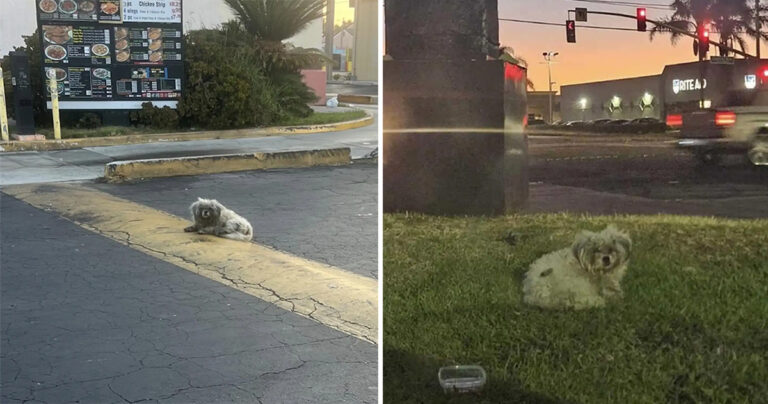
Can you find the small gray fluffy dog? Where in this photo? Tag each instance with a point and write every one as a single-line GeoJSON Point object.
{"type": "Point", "coordinates": [585, 275]}
{"type": "Point", "coordinates": [211, 217]}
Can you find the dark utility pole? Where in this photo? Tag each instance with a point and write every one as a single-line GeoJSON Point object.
{"type": "Point", "coordinates": [758, 26]}
{"type": "Point", "coordinates": [330, 7]}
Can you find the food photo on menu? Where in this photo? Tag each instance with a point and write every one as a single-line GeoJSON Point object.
{"type": "Point", "coordinates": [65, 42]}
{"type": "Point", "coordinates": [67, 9]}
{"type": "Point", "coordinates": [57, 37]}
{"type": "Point", "coordinates": [122, 45]}
{"type": "Point", "coordinates": [109, 11]}
{"type": "Point", "coordinates": [60, 75]}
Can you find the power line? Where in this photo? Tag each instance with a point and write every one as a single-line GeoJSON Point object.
{"type": "Point", "coordinates": [626, 4]}
{"type": "Point", "coordinates": [562, 25]}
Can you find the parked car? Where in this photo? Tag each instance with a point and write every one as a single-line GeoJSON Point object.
{"type": "Point", "coordinates": [576, 124]}
{"type": "Point", "coordinates": [617, 122]}
{"type": "Point", "coordinates": [600, 122]}
{"type": "Point", "coordinates": [646, 125]}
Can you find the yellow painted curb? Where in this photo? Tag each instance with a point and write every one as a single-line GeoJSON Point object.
{"type": "Point", "coordinates": [337, 298]}
{"type": "Point", "coordinates": [170, 167]}
{"type": "Point", "coordinates": [357, 99]}
{"type": "Point", "coordinates": [182, 136]}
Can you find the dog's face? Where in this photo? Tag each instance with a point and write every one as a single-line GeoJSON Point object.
{"type": "Point", "coordinates": [206, 210]}
{"type": "Point", "coordinates": [603, 252]}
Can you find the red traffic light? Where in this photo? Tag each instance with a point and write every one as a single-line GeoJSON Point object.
{"type": "Point", "coordinates": [703, 35]}
{"type": "Point", "coordinates": [765, 71]}
{"type": "Point", "coordinates": [570, 31]}
{"type": "Point", "coordinates": [641, 19]}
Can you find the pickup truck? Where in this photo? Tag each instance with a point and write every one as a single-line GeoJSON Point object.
{"type": "Point", "coordinates": [741, 127]}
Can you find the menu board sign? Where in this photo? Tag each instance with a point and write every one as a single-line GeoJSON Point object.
{"type": "Point", "coordinates": [112, 54]}
{"type": "Point", "coordinates": [164, 11]}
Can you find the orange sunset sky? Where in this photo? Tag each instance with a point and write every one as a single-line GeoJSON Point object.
{"type": "Point", "coordinates": [597, 54]}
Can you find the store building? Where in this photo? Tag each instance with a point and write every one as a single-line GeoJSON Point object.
{"type": "Point", "coordinates": [679, 87]}
{"type": "Point", "coordinates": [538, 105]}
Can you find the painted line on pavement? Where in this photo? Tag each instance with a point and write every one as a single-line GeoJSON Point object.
{"type": "Point", "coordinates": [332, 296]}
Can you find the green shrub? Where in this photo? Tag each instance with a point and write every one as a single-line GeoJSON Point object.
{"type": "Point", "coordinates": [88, 120]}
{"type": "Point", "coordinates": [156, 118]}
{"type": "Point", "coordinates": [233, 83]}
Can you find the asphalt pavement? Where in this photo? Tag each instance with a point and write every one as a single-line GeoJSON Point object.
{"type": "Point", "coordinates": [326, 214]}
{"type": "Point", "coordinates": [86, 319]}
{"type": "Point", "coordinates": [642, 175]}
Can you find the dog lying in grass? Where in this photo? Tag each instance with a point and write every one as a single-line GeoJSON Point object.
{"type": "Point", "coordinates": [582, 276]}
{"type": "Point", "coordinates": [211, 217]}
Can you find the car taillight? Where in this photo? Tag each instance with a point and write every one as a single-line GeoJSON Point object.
{"type": "Point", "coordinates": [725, 118]}
{"type": "Point", "coordinates": [674, 120]}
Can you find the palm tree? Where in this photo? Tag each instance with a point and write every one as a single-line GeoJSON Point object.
{"type": "Point", "coordinates": [270, 22]}
{"type": "Point", "coordinates": [730, 19]}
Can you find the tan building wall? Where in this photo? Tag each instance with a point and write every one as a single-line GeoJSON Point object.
{"type": "Point", "coordinates": [538, 105]}
{"type": "Point", "coordinates": [366, 53]}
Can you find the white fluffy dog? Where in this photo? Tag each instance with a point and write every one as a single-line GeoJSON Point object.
{"type": "Point", "coordinates": [211, 217]}
{"type": "Point", "coordinates": [582, 276]}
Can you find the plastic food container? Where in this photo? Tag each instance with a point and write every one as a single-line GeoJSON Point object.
{"type": "Point", "coordinates": [461, 378]}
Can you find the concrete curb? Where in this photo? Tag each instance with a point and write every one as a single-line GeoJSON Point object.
{"type": "Point", "coordinates": [182, 136]}
{"type": "Point", "coordinates": [178, 166]}
{"type": "Point", "coordinates": [358, 99]}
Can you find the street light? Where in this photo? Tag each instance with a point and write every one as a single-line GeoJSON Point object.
{"type": "Point", "coordinates": [583, 104]}
{"type": "Point", "coordinates": [548, 57]}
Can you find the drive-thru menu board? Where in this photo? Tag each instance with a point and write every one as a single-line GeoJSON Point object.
{"type": "Point", "coordinates": [112, 54]}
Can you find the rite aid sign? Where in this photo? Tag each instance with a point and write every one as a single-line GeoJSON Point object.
{"type": "Point", "coordinates": [688, 85]}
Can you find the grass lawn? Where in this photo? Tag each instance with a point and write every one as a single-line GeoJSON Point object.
{"type": "Point", "coordinates": [325, 118]}
{"type": "Point", "coordinates": [692, 328]}
{"type": "Point", "coordinates": [104, 131]}
{"type": "Point", "coordinates": [316, 118]}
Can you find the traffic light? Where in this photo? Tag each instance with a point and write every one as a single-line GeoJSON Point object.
{"type": "Point", "coordinates": [703, 36]}
{"type": "Point", "coordinates": [570, 31]}
{"type": "Point", "coordinates": [641, 19]}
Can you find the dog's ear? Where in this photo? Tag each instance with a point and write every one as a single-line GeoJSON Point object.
{"type": "Point", "coordinates": [619, 237]}
{"type": "Point", "coordinates": [581, 248]}
{"type": "Point", "coordinates": [624, 242]}
{"type": "Point", "coordinates": [193, 207]}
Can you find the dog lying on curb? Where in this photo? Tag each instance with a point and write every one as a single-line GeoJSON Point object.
{"type": "Point", "coordinates": [583, 276]}
{"type": "Point", "coordinates": [211, 217]}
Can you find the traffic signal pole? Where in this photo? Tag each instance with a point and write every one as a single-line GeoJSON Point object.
{"type": "Point", "coordinates": [671, 28]}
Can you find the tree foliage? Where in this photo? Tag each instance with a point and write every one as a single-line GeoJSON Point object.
{"type": "Point", "coordinates": [39, 94]}
{"type": "Point", "coordinates": [732, 20]}
{"type": "Point", "coordinates": [227, 86]}
{"type": "Point", "coordinates": [276, 20]}
{"type": "Point", "coordinates": [267, 24]}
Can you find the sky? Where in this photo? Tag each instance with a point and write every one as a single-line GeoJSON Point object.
{"type": "Point", "coordinates": [597, 54]}
{"type": "Point", "coordinates": [17, 18]}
